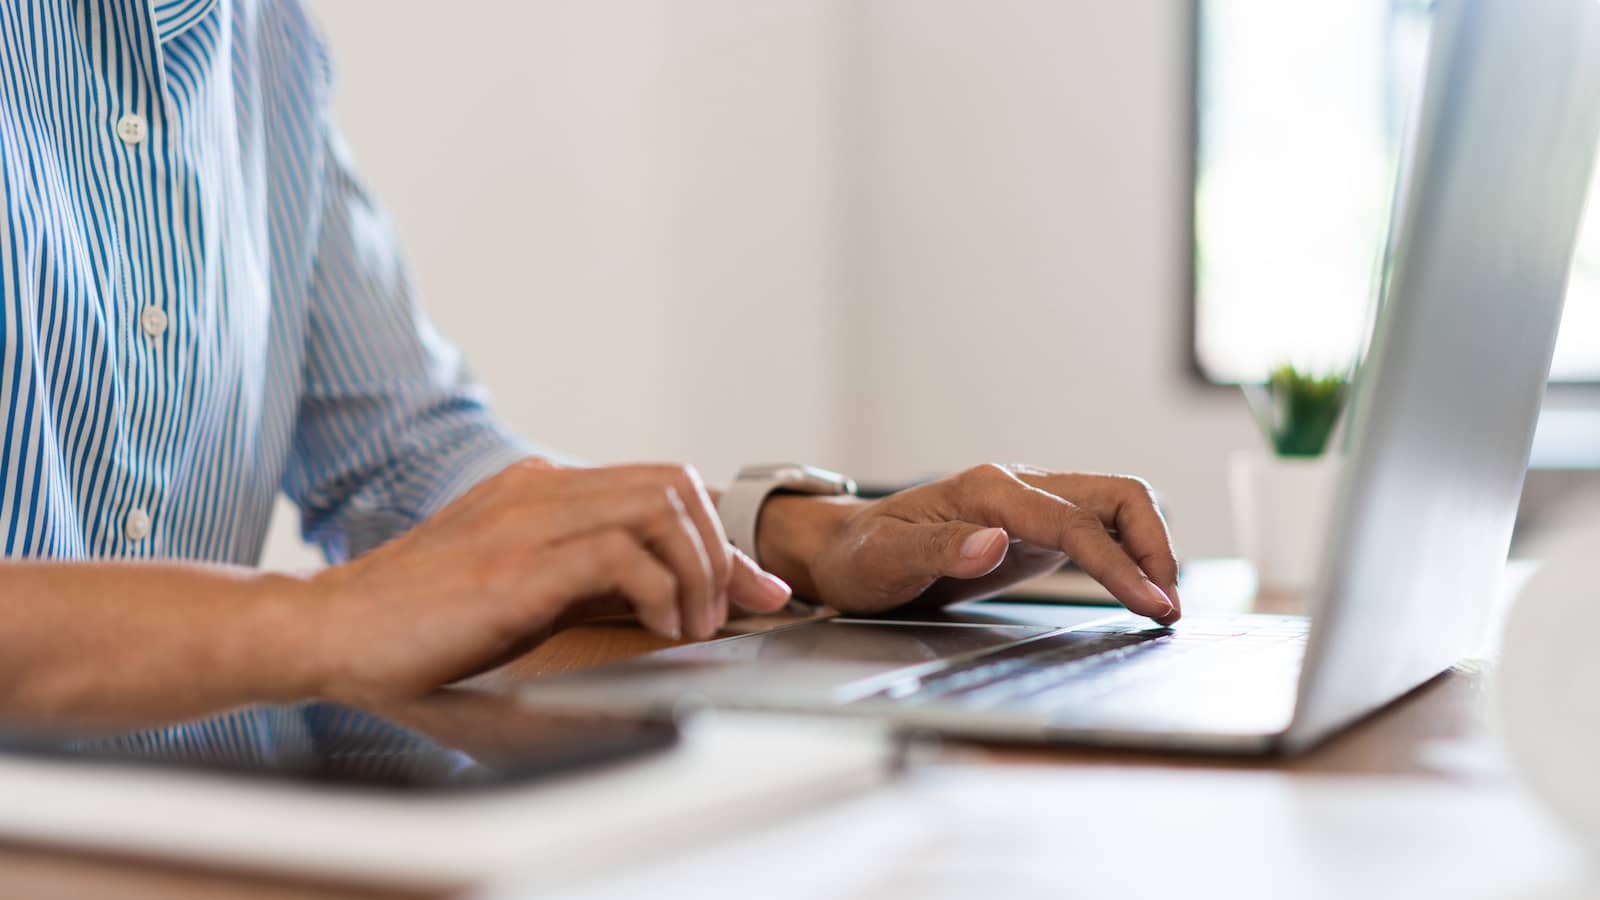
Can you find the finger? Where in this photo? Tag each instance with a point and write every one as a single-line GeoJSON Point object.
{"type": "Point", "coordinates": [990, 495]}
{"type": "Point", "coordinates": [697, 504]}
{"type": "Point", "coordinates": [674, 537]}
{"type": "Point", "coordinates": [656, 514]}
{"type": "Point", "coordinates": [1129, 506]}
{"type": "Point", "coordinates": [612, 562]}
{"type": "Point", "coordinates": [1098, 554]}
{"type": "Point", "coordinates": [755, 589]}
{"type": "Point", "coordinates": [546, 480]}
{"type": "Point", "coordinates": [661, 521]}
{"type": "Point", "coordinates": [946, 549]}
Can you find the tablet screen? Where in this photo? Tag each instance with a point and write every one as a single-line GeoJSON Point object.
{"type": "Point", "coordinates": [450, 740]}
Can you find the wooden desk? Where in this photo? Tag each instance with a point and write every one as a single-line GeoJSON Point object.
{"type": "Point", "coordinates": [1437, 732]}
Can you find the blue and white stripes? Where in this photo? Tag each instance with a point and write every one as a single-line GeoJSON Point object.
{"type": "Point", "coordinates": [200, 305]}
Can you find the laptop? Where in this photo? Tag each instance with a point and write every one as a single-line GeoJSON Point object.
{"type": "Point", "coordinates": [1437, 445]}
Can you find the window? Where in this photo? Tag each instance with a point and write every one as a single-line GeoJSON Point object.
{"type": "Point", "coordinates": [1300, 112]}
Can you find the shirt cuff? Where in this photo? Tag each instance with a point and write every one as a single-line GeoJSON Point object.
{"type": "Point", "coordinates": [459, 472]}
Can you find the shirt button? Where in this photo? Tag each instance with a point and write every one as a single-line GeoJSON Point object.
{"type": "Point", "coordinates": [131, 129]}
{"type": "Point", "coordinates": [153, 321]}
{"type": "Point", "coordinates": [137, 525]}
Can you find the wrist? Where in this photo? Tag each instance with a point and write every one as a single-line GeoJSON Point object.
{"type": "Point", "coordinates": [793, 531]}
{"type": "Point", "coordinates": [282, 640]}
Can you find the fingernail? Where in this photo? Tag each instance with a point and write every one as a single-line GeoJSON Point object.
{"type": "Point", "coordinates": [775, 589]}
{"type": "Point", "coordinates": [980, 543]}
{"type": "Point", "coordinates": [1160, 598]}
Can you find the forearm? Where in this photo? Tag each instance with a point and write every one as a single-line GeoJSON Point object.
{"type": "Point", "coordinates": [126, 643]}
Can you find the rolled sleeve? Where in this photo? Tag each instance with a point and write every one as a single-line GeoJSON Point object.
{"type": "Point", "coordinates": [390, 425]}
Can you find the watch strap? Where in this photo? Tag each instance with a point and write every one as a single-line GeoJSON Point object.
{"type": "Point", "coordinates": [740, 511]}
{"type": "Point", "coordinates": [740, 506]}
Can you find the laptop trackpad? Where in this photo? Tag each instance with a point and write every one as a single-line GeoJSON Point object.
{"type": "Point", "coordinates": [819, 662]}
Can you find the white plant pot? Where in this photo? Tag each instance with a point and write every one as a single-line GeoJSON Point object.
{"type": "Point", "coordinates": [1281, 507]}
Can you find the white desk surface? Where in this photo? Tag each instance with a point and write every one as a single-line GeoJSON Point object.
{"type": "Point", "coordinates": [1024, 832]}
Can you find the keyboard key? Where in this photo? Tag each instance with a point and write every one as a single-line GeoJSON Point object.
{"type": "Point", "coordinates": [1086, 666]}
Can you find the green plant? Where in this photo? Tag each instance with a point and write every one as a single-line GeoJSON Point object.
{"type": "Point", "coordinates": [1298, 411]}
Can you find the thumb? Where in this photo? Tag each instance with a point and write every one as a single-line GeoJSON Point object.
{"type": "Point", "coordinates": [959, 549]}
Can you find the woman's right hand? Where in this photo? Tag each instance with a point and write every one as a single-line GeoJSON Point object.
{"type": "Point", "coordinates": [499, 569]}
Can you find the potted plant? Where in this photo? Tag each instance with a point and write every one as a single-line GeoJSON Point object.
{"type": "Point", "coordinates": [1282, 500]}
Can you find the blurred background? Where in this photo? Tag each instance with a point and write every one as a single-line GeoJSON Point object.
{"type": "Point", "coordinates": [897, 237]}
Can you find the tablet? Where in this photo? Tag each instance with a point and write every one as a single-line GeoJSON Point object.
{"type": "Point", "coordinates": [453, 740]}
{"type": "Point", "coordinates": [361, 810]}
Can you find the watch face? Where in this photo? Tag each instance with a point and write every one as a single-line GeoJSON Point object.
{"type": "Point", "coordinates": [800, 478]}
{"type": "Point", "coordinates": [768, 471]}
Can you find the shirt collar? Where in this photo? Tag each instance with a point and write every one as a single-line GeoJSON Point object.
{"type": "Point", "coordinates": [173, 17]}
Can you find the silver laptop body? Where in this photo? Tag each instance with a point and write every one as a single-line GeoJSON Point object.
{"type": "Point", "coordinates": [1438, 444]}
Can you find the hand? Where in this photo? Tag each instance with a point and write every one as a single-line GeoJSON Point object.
{"type": "Point", "coordinates": [973, 535]}
{"type": "Point", "coordinates": [518, 556]}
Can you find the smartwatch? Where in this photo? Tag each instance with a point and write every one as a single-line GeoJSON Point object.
{"type": "Point", "coordinates": [740, 506]}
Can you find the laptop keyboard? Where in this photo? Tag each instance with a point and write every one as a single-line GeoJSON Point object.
{"type": "Point", "coordinates": [1080, 668]}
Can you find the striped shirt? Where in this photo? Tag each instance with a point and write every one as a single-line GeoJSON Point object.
{"type": "Point", "coordinates": [200, 303]}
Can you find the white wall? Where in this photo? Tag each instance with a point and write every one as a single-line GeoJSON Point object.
{"type": "Point", "coordinates": [610, 204]}
{"type": "Point", "coordinates": [1020, 170]}
{"type": "Point", "coordinates": [603, 197]}
{"type": "Point", "coordinates": [891, 236]}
